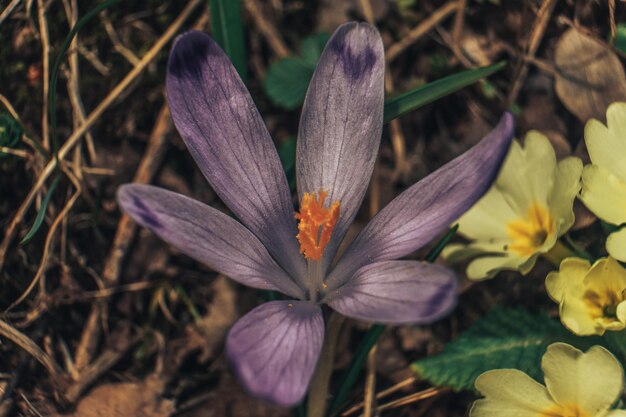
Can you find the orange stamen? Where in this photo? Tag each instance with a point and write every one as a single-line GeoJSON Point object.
{"type": "Point", "coordinates": [316, 224]}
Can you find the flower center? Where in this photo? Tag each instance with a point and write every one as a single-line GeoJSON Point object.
{"type": "Point", "coordinates": [530, 233]}
{"type": "Point", "coordinates": [563, 411]}
{"type": "Point", "coordinates": [603, 305]}
{"type": "Point", "coordinates": [316, 224]}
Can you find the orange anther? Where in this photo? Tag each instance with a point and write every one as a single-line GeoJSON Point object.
{"type": "Point", "coordinates": [316, 224]}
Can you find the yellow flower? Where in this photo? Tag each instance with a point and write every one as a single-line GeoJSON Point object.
{"type": "Point", "coordinates": [525, 212]}
{"type": "Point", "coordinates": [591, 299]}
{"type": "Point", "coordinates": [604, 181]}
{"type": "Point", "coordinates": [577, 384]}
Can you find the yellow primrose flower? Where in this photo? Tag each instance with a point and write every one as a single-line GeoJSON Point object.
{"type": "Point", "coordinates": [604, 181]}
{"type": "Point", "coordinates": [591, 299]}
{"type": "Point", "coordinates": [577, 384]}
{"type": "Point", "coordinates": [524, 213]}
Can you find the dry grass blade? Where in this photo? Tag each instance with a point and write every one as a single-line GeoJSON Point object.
{"type": "Point", "coordinates": [45, 51]}
{"type": "Point", "coordinates": [417, 32]}
{"type": "Point", "coordinates": [369, 398]}
{"type": "Point", "coordinates": [91, 119]}
{"type": "Point", "coordinates": [8, 10]}
{"type": "Point", "coordinates": [267, 29]}
{"type": "Point", "coordinates": [21, 340]}
{"type": "Point", "coordinates": [384, 393]}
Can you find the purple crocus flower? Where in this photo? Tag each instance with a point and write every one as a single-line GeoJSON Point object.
{"type": "Point", "coordinates": [275, 347]}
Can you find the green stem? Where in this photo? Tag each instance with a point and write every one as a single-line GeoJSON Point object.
{"type": "Point", "coordinates": [558, 253]}
{"type": "Point", "coordinates": [318, 390]}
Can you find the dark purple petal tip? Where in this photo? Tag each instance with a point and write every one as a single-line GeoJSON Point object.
{"type": "Point", "coordinates": [356, 55]}
{"type": "Point", "coordinates": [274, 349]}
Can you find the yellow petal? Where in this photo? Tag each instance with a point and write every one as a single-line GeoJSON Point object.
{"type": "Point", "coordinates": [606, 274]}
{"type": "Point", "coordinates": [527, 175]}
{"type": "Point", "coordinates": [604, 194]}
{"type": "Point", "coordinates": [488, 266]}
{"type": "Point", "coordinates": [510, 393]}
{"type": "Point", "coordinates": [607, 145]}
{"type": "Point", "coordinates": [592, 380]}
{"type": "Point", "coordinates": [616, 244]}
{"type": "Point", "coordinates": [572, 271]}
{"type": "Point", "coordinates": [617, 413]}
{"type": "Point", "coordinates": [565, 190]}
{"type": "Point", "coordinates": [488, 218]}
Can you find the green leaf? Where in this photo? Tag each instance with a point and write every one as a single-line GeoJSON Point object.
{"type": "Point", "coordinates": [228, 32]}
{"type": "Point", "coordinates": [287, 155]}
{"type": "Point", "coordinates": [430, 92]}
{"type": "Point", "coordinates": [10, 131]}
{"type": "Point", "coordinates": [41, 214]}
{"type": "Point", "coordinates": [504, 338]}
{"type": "Point", "coordinates": [620, 37]}
{"type": "Point", "coordinates": [288, 78]}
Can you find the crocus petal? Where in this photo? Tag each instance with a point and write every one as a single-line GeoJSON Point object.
{"type": "Point", "coordinates": [341, 122]}
{"type": "Point", "coordinates": [592, 380]}
{"type": "Point", "coordinates": [207, 235]}
{"type": "Point", "coordinates": [423, 211]}
{"type": "Point", "coordinates": [510, 393]}
{"type": "Point", "coordinates": [226, 136]}
{"type": "Point", "coordinates": [275, 347]}
{"type": "Point", "coordinates": [396, 292]}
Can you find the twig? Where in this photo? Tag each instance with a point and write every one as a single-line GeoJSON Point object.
{"type": "Point", "coordinates": [424, 27]}
{"type": "Point", "coordinates": [148, 166]}
{"type": "Point", "coordinates": [457, 29]}
{"type": "Point", "coordinates": [115, 40]}
{"type": "Point", "coordinates": [8, 10]}
{"type": "Point", "coordinates": [21, 340]}
{"type": "Point", "coordinates": [539, 28]}
{"type": "Point", "coordinates": [409, 399]}
{"type": "Point", "coordinates": [612, 19]}
{"type": "Point", "coordinates": [15, 152]}
{"type": "Point", "coordinates": [398, 141]}
{"type": "Point", "coordinates": [90, 374]}
{"type": "Point", "coordinates": [45, 50]}
{"type": "Point", "coordinates": [268, 31]}
{"type": "Point", "coordinates": [381, 395]}
{"type": "Point", "coordinates": [91, 119]}
{"type": "Point", "coordinates": [7, 105]}
{"type": "Point", "coordinates": [93, 59]}
{"type": "Point", "coordinates": [369, 399]}
{"type": "Point", "coordinates": [368, 13]}
{"type": "Point", "coordinates": [73, 83]}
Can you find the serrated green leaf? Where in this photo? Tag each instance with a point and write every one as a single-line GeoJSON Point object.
{"type": "Point", "coordinates": [420, 96]}
{"type": "Point", "coordinates": [228, 32]}
{"type": "Point", "coordinates": [288, 79]}
{"type": "Point", "coordinates": [504, 338]}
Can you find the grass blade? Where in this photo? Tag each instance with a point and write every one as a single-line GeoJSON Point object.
{"type": "Point", "coordinates": [430, 92]}
{"type": "Point", "coordinates": [228, 32]}
{"type": "Point", "coordinates": [41, 214]}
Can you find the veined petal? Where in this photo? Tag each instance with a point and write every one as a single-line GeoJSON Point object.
{"type": "Point", "coordinates": [592, 380]}
{"type": "Point", "coordinates": [341, 122]}
{"type": "Point", "coordinates": [226, 136]}
{"type": "Point", "coordinates": [510, 393]}
{"type": "Point", "coordinates": [396, 292]}
{"type": "Point", "coordinates": [207, 235]}
{"type": "Point", "coordinates": [616, 244]}
{"type": "Point", "coordinates": [275, 347]}
{"type": "Point", "coordinates": [417, 215]}
{"type": "Point", "coordinates": [607, 144]}
{"type": "Point", "coordinates": [604, 194]}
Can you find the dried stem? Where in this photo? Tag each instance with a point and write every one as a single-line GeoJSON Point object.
{"type": "Point", "coordinates": [424, 27]}
{"type": "Point", "coordinates": [91, 119]}
{"type": "Point", "coordinates": [318, 389]}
